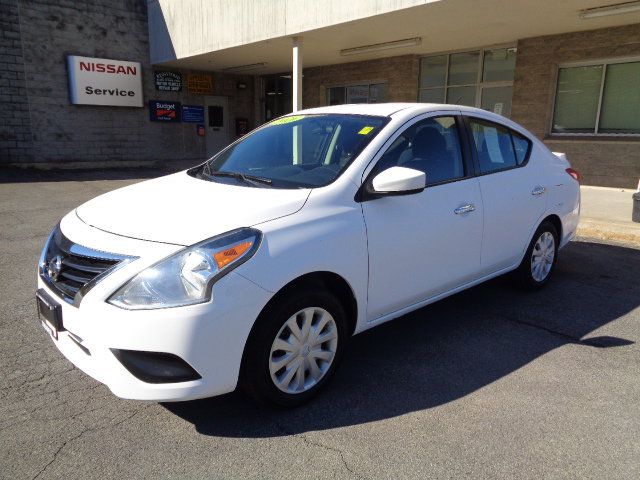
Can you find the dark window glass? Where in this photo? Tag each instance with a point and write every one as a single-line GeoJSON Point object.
{"type": "Point", "coordinates": [431, 146]}
{"type": "Point", "coordinates": [378, 93]}
{"type": "Point", "coordinates": [216, 116]}
{"type": "Point", "coordinates": [365, 93]}
{"type": "Point", "coordinates": [335, 96]}
{"type": "Point", "coordinates": [493, 145]}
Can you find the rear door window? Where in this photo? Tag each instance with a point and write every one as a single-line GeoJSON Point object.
{"type": "Point", "coordinates": [497, 147]}
{"type": "Point", "coordinates": [521, 146]}
{"type": "Point", "coordinates": [493, 146]}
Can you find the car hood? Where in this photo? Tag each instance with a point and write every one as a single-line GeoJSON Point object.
{"type": "Point", "coordinates": [184, 210]}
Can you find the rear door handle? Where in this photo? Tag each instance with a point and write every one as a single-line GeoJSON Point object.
{"type": "Point", "coordinates": [539, 190]}
{"type": "Point", "coordinates": [470, 207]}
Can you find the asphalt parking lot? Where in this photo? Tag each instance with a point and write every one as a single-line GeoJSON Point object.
{"type": "Point", "coordinates": [490, 383]}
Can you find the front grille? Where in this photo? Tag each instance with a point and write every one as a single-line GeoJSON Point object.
{"type": "Point", "coordinates": [71, 270]}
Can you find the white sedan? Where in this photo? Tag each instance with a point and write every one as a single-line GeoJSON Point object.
{"type": "Point", "coordinates": [256, 267]}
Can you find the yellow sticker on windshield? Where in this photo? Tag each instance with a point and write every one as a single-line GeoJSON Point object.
{"type": "Point", "coordinates": [366, 130]}
{"type": "Point", "coordinates": [289, 119]}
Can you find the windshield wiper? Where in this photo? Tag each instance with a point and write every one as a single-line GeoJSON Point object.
{"type": "Point", "coordinates": [242, 176]}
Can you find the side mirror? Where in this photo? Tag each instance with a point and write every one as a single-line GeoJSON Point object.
{"type": "Point", "coordinates": [399, 181]}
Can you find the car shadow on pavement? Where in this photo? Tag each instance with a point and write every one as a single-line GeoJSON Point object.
{"type": "Point", "coordinates": [448, 350]}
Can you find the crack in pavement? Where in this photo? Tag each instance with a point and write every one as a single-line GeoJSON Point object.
{"type": "Point", "coordinates": [82, 432]}
{"type": "Point", "coordinates": [556, 333]}
{"type": "Point", "coordinates": [313, 443]}
{"type": "Point", "coordinates": [308, 441]}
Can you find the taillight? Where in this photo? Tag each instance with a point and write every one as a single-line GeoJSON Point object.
{"type": "Point", "coordinates": [574, 173]}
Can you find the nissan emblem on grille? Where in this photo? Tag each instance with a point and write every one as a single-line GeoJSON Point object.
{"type": "Point", "coordinates": [68, 267]}
{"type": "Point", "coordinates": [54, 266]}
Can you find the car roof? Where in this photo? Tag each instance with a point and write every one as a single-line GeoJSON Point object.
{"type": "Point", "coordinates": [379, 109]}
{"type": "Point", "coordinates": [408, 110]}
{"type": "Point", "coordinates": [386, 109]}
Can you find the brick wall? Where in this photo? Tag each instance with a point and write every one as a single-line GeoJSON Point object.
{"type": "Point", "coordinates": [612, 162]}
{"type": "Point", "coordinates": [47, 128]}
{"type": "Point", "coordinates": [401, 74]}
{"type": "Point", "coordinates": [15, 127]}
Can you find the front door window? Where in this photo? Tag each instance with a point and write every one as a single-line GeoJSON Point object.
{"type": "Point", "coordinates": [431, 146]}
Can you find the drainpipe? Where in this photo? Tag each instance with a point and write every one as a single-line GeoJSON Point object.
{"type": "Point", "coordinates": [297, 74]}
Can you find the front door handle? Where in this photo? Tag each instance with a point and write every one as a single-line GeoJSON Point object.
{"type": "Point", "coordinates": [539, 190]}
{"type": "Point", "coordinates": [470, 207]}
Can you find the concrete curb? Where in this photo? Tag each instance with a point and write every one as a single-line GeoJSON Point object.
{"type": "Point", "coordinates": [609, 231]}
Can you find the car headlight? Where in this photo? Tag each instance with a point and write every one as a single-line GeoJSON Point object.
{"type": "Point", "coordinates": [186, 277]}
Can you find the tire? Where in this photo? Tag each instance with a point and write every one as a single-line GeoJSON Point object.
{"type": "Point", "coordinates": [260, 377]}
{"type": "Point", "coordinates": [534, 274]}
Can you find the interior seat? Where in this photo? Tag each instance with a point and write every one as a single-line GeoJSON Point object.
{"type": "Point", "coordinates": [431, 155]}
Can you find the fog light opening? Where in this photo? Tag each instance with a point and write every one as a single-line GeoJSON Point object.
{"type": "Point", "coordinates": [156, 367]}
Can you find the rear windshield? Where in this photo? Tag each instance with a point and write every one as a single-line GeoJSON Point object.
{"type": "Point", "coordinates": [298, 151]}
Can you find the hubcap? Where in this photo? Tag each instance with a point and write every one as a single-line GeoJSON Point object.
{"type": "Point", "coordinates": [303, 350]}
{"type": "Point", "coordinates": [544, 251]}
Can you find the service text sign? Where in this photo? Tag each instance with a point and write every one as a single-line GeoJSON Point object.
{"type": "Point", "coordinates": [99, 81]}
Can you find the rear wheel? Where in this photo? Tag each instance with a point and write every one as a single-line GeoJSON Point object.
{"type": "Point", "coordinates": [295, 348]}
{"type": "Point", "coordinates": [540, 259]}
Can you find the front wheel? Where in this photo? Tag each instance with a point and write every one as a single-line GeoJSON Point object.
{"type": "Point", "coordinates": [540, 259]}
{"type": "Point", "coordinates": [295, 348]}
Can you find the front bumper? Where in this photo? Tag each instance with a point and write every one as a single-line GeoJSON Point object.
{"type": "Point", "coordinates": [210, 337]}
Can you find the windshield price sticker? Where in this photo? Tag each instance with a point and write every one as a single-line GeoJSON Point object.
{"type": "Point", "coordinates": [290, 119]}
{"type": "Point", "coordinates": [366, 130]}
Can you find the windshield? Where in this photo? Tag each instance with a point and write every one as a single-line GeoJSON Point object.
{"type": "Point", "coordinates": [296, 151]}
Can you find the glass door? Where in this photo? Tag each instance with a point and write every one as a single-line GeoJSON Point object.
{"type": "Point", "coordinates": [276, 96]}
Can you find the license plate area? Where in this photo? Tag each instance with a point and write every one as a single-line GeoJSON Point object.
{"type": "Point", "coordinates": [49, 313]}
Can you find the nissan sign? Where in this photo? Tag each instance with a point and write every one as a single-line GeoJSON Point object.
{"type": "Point", "coordinates": [98, 81]}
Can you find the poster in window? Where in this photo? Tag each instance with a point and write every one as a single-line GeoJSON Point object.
{"type": "Point", "coordinates": [168, 81]}
{"type": "Point", "coordinates": [358, 94]}
{"type": "Point", "coordinates": [200, 84]}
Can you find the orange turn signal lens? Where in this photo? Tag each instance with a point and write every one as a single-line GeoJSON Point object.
{"type": "Point", "coordinates": [231, 254]}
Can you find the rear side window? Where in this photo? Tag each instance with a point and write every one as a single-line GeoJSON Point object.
{"type": "Point", "coordinates": [521, 146]}
{"type": "Point", "coordinates": [498, 147]}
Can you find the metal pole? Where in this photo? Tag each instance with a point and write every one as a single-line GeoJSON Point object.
{"type": "Point", "coordinates": [297, 74]}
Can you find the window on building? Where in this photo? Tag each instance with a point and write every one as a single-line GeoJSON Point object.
{"type": "Point", "coordinates": [363, 93]}
{"type": "Point", "coordinates": [602, 98]}
{"type": "Point", "coordinates": [482, 78]}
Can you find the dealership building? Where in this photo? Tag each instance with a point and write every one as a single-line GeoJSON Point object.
{"type": "Point", "coordinates": [112, 83]}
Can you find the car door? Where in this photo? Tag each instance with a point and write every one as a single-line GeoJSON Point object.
{"type": "Point", "coordinates": [424, 244]}
{"type": "Point", "coordinates": [513, 192]}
